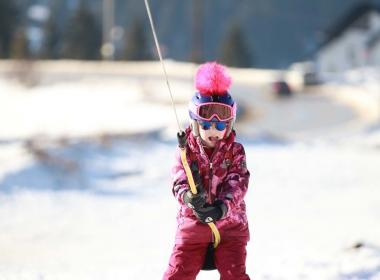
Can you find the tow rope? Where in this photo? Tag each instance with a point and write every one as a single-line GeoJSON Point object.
{"type": "Point", "coordinates": [181, 136]}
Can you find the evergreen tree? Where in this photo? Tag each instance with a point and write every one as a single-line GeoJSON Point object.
{"type": "Point", "coordinates": [196, 52]}
{"type": "Point", "coordinates": [52, 38]}
{"type": "Point", "coordinates": [235, 51]}
{"type": "Point", "coordinates": [82, 38]}
{"type": "Point", "coordinates": [136, 46]}
{"type": "Point", "coordinates": [8, 25]}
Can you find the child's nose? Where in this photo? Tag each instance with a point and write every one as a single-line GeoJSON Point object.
{"type": "Point", "coordinates": [213, 126]}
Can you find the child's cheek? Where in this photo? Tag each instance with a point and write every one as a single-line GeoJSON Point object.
{"type": "Point", "coordinates": [203, 134]}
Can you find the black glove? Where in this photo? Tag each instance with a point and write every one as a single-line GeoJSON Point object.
{"type": "Point", "coordinates": [194, 201]}
{"type": "Point", "coordinates": [211, 213]}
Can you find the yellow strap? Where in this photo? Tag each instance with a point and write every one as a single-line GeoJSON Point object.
{"type": "Point", "coordinates": [188, 172]}
{"type": "Point", "coordinates": [216, 233]}
{"type": "Point", "coordinates": [193, 189]}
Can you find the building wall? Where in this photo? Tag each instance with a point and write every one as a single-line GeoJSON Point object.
{"type": "Point", "coordinates": [374, 59]}
{"type": "Point", "coordinates": [350, 49]}
{"type": "Point", "coordinates": [345, 52]}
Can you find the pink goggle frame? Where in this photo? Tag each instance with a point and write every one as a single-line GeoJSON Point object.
{"type": "Point", "coordinates": [208, 111]}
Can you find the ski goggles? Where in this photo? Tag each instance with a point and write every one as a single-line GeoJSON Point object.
{"type": "Point", "coordinates": [210, 110]}
{"type": "Point", "coordinates": [206, 125]}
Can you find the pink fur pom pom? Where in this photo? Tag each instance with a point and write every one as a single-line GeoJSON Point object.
{"type": "Point", "coordinates": [212, 78]}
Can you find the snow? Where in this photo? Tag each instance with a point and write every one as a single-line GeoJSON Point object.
{"type": "Point", "coordinates": [85, 181]}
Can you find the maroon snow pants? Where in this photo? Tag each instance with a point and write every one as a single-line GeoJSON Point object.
{"type": "Point", "coordinates": [187, 260]}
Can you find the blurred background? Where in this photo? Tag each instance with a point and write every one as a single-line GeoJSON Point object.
{"type": "Point", "coordinates": [270, 34]}
{"type": "Point", "coordinates": [88, 133]}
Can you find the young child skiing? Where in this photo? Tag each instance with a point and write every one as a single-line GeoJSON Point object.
{"type": "Point", "coordinates": [222, 184]}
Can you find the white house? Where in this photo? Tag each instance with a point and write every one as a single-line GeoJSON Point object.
{"type": "Point", "coordinates": [353, 42]}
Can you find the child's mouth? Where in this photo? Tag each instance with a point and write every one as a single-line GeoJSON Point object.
{"type": "Point", "coordinates": [213, 139]}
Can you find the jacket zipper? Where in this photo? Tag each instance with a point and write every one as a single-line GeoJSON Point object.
{"type": "Point", "coordinates": [210, 175]}
{"type": "Point", "coordinates": [210, 182]}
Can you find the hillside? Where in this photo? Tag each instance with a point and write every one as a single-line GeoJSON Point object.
{"type": "Point", "coordinates": [277, 33]}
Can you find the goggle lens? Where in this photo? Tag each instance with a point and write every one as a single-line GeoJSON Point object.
{"type": "Point", "coordinates": [206, 125]}
{"type": "Point", "coordinates": [222, 111]}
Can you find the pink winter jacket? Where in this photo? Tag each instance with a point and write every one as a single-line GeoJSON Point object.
{"type": "Point", "coordinates": [225, 177]}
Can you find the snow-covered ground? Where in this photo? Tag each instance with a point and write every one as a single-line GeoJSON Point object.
{"type": "Point", "coordinates": [85, 187]}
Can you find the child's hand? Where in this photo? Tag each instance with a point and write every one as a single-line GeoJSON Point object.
{"type": "Point", "coordinates": [194, 201]}
{"type": "Point", "coordinates": [211, 213]}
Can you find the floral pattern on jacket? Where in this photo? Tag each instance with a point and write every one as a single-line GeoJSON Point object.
{"type": "Point", "coordinates": [225, 177]}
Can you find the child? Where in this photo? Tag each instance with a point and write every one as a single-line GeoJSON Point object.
{"type": "Point", "coordinates": [224, 182]}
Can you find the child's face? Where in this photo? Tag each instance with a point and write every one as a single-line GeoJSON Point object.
{"type": "Point", "coordinates": [210, 134]}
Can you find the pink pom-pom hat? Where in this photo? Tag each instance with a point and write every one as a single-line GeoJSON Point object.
{"type": "Point", "coordinates": [212, 79]}
{"type": "Point", "coordinates": [212, 99]}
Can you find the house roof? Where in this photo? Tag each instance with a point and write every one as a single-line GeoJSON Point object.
{"type": "Point", "coordinates": [356, 17]}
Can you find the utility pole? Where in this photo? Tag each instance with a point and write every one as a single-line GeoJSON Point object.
{"type": "Point", "coordinates": [108, 22]}
{"type": "Point", "coordinates": [197, 34]}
